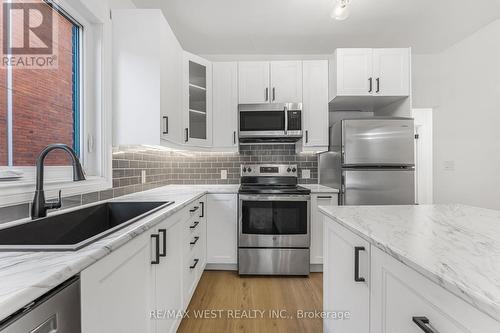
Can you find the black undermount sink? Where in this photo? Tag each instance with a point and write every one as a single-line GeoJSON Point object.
{"type": "Point", "coordinates": [73, 230]}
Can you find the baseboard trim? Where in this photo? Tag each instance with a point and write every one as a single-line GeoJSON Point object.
{"type": "Point", "coordinates": [315, 268]}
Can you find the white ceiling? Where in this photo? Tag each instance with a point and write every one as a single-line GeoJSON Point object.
{"type": "Point", "coordinates": [305, 27]}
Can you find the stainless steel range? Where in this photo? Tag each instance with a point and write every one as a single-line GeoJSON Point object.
{"type": "Point", "coordinates": [274, 221]}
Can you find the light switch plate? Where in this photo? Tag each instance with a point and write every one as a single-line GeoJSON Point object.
{"type": "Point", "coordinates": [143, 176]}
{"type": "Point", "coordinates": [306, 174]}
{"type": "Point", "coordinates": [223, 174]}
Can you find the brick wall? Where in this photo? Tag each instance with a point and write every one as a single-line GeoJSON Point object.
{"type": "Point", "coordinates": [42, 106]}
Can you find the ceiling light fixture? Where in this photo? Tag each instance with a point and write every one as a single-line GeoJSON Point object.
{"type": "Point", "coordinates": [341, 10]}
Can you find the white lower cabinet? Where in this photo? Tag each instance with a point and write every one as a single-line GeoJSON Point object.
{"type": "Point", "coordinates": [346, 283]}
{"type": "Point", "coordinates": [222, 229]}
{"type": "Point", "coordinates": [136, 288]}
{"type": "Point", "coordinates": [394, 298]}
{"type": "Point", "coordinates": [323, 199]}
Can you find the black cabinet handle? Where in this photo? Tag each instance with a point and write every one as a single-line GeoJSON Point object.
{"type": "Point", "coordinates": [202, 209]}
{"type": "Point", "coordinates": [156, 261]}
{"type": "Point", "coordinates": [195, 208]}
{"type": "Point", "coordinates": [267, 94]}
{"type": "Point", "coordinates": [307, 136]}
{"type": "Point", "coordinates": [424, 324]}
{"type": "Point", "coordinates": [194, 225]}
{"type": "Point", "coordinates": [195, 240]}
{"type": "Point", "coordinates": [371, 84]}
{"type": "Point", "coordinates": [163, 252]}
{"type": "Point", "coordinates": [186, 133]}
{"type": "Point", "coordinates": [378, 85]}
{"type": "Point", "coordinates": [234, 137]}
{"type": "Point", "coordinates": [196, 261]}
{"type": "Point", "coordinates": [357, 278]}
{"type": "Point", "coordinates": [325, 197]}
{"type": "Point", "coordinates": [165, 131]}
{"type": "Point", "coordinates": [274, 94]}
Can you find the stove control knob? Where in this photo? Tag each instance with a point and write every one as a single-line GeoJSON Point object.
{"type": "Point", "coordinates": [294, 170]}
{"type": "Point", "coordinates": [244, 169]}
{"type": "Point", "coordinates": [288, 170]}
{"type": "Point", "coordinates": [249, 169]}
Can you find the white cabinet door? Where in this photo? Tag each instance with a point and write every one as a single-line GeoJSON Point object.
{"type": "Point", "coordinates": [222, 228]}
{"type": "Point", "coordinates": [253, 82]}
{"type": "Point", "coordinates": [168, 273]}
{"type": "Point", "coordinates": [225, 104]}
{"type": "Point", "coordinates": [399, 294]}
{"type": "Point", "coordinates": [354, 75]}
{"type": "Point", "coordinates": [197, 101]}
{"type": "Point", "coordinates": [117, 292]}
{"type": "Point", "coordinates": [341, 292]}
{"type": "Point", "coordinates": [391, 72]}
{"type": "Point", "coordinates": [317, 219]}
{"type": "Point", "coordinates": [315, 104]}
{"type": "Point", "coordinates": [286, 82]}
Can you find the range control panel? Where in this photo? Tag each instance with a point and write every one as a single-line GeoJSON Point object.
{"type": "Point", "coordinates": [260, 170]}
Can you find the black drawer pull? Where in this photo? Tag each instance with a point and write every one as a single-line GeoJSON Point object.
{"type": "Point", "coordinates": [202, 209]}
{"type": "Point", "coordinates": [424, 324]}
{"type": "Point", "coordinates": [195, 208]}
{"type": "Point", "coordinates": [194, 225]}
{"type": "Point", "coordinates": [156, 261]}
{"type": "Point", "coordinates": [357, 278]}
{"type": "Point", "coordinates": [196, 261]}
{"type": "Point", "coordinates": [325, 197]}
{"type": "Point", "coordinates": [163, 252]}
{"type": "Point", "coordinates": [195, 240]}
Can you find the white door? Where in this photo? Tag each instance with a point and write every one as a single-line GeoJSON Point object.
{"type": "Point", "coordinates": [225, 105]}
{"type": "Point", "coordinates": [222, 228]}
{"type": "Point", "coordinates": [253, 82]}
{"type": "Point", "coordinates": [197, 101]}
{"type": "Point", "coordinates": [343, 290]}
{"type": "Point", "coordinates": [169, 275]}
{"type": "Point", "coordinates": [354, 72]}
{"type": "Point", "coordinates": [325, 199]}
{"type": "Point", "coordinates": [423, 156]}
{"type": "Point", "coordinates": [126, 275]}
{"type": "Point", "coordinates": [315, 103]}
{"type": "Point", "coordinates": [286, 82]}
{"type": "Point", "coordinates": [391, 72]}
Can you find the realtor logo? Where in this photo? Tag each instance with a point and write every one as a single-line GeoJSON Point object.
{"type": "Point", "coordinates": [28, 32]}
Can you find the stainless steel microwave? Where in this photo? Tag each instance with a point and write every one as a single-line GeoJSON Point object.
{"type": "Point", "coordinates": [270, 122]}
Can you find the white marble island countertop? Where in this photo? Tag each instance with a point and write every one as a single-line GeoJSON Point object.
{"type": "Point", "coordinates": [25, 276]}
{"type": "Point", "coordinates": [456, 246]}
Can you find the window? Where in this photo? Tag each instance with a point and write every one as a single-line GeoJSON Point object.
{"type": "Point", "coordinates": [40, 103]}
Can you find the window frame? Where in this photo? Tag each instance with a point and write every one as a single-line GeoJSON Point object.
{"type": "Point", "coordinates": [95, 112]}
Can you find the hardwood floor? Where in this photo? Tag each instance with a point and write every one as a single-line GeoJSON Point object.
{"type": "Point", "coordinates": [254, 304]}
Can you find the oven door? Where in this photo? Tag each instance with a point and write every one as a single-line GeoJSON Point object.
{"type": "Point", "coordinates": [274, 221]}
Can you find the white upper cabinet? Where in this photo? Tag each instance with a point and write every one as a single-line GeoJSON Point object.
{"type": "Point", "coordinates": [286, 82]}
{"type": "Point", "coordinates": [225, 105]}
{"type": "Point", "coordinates": [370, 72]}
{"type": "Point", "coordinates": [315, 104]}
{"type": "Point", "coordinates": [197, 100]}
{"type": "Point", "coordinates": [270, 82]}
{"type": "Point", "coordinates": [253, 81]}
{"type": "Point", "coordinates": [391, 72]}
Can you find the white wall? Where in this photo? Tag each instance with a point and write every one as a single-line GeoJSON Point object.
{"type": "Point", "coordinates": [462, 84]}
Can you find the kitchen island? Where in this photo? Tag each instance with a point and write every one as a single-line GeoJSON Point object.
{"type": "Point", "coordinates": [401, 268]}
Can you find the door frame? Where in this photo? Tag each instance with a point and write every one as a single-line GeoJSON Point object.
{"type": "Point", "coordinates": [424, 161]}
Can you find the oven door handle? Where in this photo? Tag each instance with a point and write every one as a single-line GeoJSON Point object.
{"type": "Point", "coordinates": [264, 197]}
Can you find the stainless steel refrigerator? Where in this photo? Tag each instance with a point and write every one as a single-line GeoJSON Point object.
{"type": "Point", "coordinates": [371, 161]}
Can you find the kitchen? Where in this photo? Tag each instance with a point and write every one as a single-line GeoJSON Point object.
{"type": "Point", "coordinates": [195, 166]}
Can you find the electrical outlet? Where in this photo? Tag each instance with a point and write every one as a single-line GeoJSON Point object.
{"type": "Point", "coordinates": [143, 176]}
{"type": "Point", "coordinates": [306, 174]}
{"type": "Point", "coordinates": [223, 174]}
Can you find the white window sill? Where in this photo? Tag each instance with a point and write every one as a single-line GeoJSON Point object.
{"type": "Point", "coordinates": [19, 191]}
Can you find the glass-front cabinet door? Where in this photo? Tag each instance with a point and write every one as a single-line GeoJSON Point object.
{"type": "Point", "coordinates": [198, 101]}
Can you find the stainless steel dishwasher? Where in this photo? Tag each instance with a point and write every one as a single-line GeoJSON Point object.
{"type": "Point", "coordinates": [56, 312]}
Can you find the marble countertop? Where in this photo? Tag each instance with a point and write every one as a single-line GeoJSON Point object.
{"type": "Point", "coordinates": [316, 188]}
{"type": "Point", "coordinates": [456, 246]}
{"type": "Point", "coordinates": [25, 276]}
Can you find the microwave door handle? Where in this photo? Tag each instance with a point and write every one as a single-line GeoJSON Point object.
{"type": "Point", "coordinates": [286, 120]}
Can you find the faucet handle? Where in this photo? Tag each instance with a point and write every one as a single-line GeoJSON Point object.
{"type": "Point", "coordinates": [54, 204]}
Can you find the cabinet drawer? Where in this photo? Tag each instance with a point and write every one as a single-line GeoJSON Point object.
{"type": "Point", "coordinates": [191, 271]}
{"type": "Point", "coordinates": [192, 244]}
{"type": "Point", "coordinates": [400, 294]}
